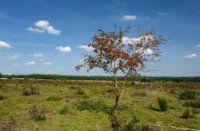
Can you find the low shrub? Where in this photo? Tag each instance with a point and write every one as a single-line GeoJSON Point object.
{"type": "Point", "coordinates": [54, 98]}
{"type": "Point", "coordinates": [37, 114]}
{"type": "Point", "coordinates": [64, 110]}
{"type": "Point", "coordinates": [32, 90]}
{"type": "Point", "coordinates": [163, 104]}
{"type": "Point", "coordinates": [26, 92]}
{"type": "Point", "coordinates": [188, 95]}
{"type": "Point", "coordinates": [187, 114]}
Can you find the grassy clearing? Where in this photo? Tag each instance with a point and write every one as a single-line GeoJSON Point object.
{"type": "Point", "coordinates": [86, 106]}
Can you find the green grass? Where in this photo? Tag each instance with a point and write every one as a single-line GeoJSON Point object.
{"type": "Point", "coordinates": [87, 106]}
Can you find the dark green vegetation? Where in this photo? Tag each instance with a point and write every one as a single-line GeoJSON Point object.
{"type": "Point", "coordinates": [78, 105]}
{"type": "Point", "coordinates": [106, 78]}
{"type": "Point", "coordinates": [162, 102]}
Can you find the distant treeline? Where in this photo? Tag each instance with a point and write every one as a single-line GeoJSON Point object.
{"type": "Point", "coordinates": [106, 78]}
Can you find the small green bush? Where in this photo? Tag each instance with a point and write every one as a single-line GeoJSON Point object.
{"type": "Point", "coordinates": [188, 95]}
{"type": "Point", "coordinates": [187, 114]}
{"type": "Point", "coordinates": [37, 114]}
{"type": "Point", "coordinates": [32, 90]}
{"type": "Point", "coordinates": [64, 110]}
{"type": "Point", "coordinates": [163, 104]}
{"type": "Point", "coordinates": [26, 92]}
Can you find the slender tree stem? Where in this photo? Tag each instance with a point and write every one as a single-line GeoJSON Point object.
{"type": "Point", "coordinates": [118, 94]}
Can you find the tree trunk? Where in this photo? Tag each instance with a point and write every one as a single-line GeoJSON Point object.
{"type": "Point", "coordinates": [117, 96]}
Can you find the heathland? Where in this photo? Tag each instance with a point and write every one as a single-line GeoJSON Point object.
{"type": "Point", "coordinates": [87, 105]}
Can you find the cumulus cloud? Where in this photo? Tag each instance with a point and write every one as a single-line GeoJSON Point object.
{"type": "Point", "coordinates": [36, 30]}
{"type": "Point", "coordinates": [38, 55]}
{"type": "Point", "coordinates": [129, 17]}
{"type": "Point", "coordinates": [85, 47]}
{"type": "Point", "coordinates": [30, 63]}
{"type": "Point", "coordinates": [63, 49]}
{"type": "Point", "coordinates": [43, 26]}
{"type": "Point", "coordinates": [162, 13]}
{"type": "Point", "coordinates": [191, 56]}
{"type": "Point", "coordinates": [4, 44]}
{"type": "Point", "coordinates": [47, 63]}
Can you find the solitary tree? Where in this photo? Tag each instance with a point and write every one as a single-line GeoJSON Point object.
{"type": "Point", "coordinates": [117, 54]}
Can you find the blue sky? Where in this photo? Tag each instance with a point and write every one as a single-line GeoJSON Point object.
{"type": "Point", "coordinates": [42, 36]}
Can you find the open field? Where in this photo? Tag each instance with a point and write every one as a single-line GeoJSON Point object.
{"type": "Point", "coordinates": [58, 105]}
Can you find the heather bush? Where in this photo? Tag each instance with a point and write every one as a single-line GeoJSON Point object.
{"type": "Point", "coordinates": [163, 104]}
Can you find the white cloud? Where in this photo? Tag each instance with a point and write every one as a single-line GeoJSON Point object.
{"type": "Point", "coordinates": [129, 17]}
{"type": "Point", "coordinates": [63, 49]}
{"type": "Point", "coordinates": [35, 30]}
{"type": "Point", "coordinates": [4, 44]}
{"type": "Point", "coordinates": [198, 45]}
{"type": "Point", "coordinates": [191, 56]}
{"type": "Point", "coordinates": [38, 55]}
{"type": "Point", "coordinates": [47, 63]}
{"type": "Point", "coordinates": [44, 26]}
{"type": "Point", "coordinates": [42, 23]}
{"type": "Point", "coordinates": [86, 47]}
{"type": "Point", "coordinates": [162, 13]}
{"type": "Point", "coordinates": [31, 63]}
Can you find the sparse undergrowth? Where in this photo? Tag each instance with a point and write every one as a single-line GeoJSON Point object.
{"type": "Point", "coordinates": [82, 105]}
